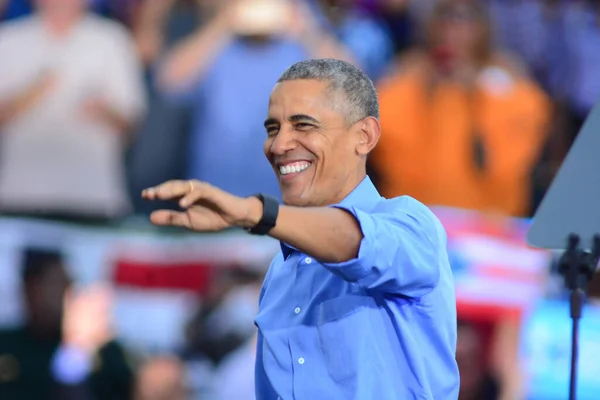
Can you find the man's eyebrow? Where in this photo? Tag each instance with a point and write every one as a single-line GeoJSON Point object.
{"type": "Point", "coordinates": [270, 121]}
{"type": "Point", "coordinates": [294, 118]}
{"type": "Point", "coordinates": [303, 117]}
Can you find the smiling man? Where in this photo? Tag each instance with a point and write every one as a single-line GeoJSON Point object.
{"type": "Point", "coordinates": [360, 302]}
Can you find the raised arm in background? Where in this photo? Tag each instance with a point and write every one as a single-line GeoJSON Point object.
{"type": "Point", "coordinates": [148, 29]}
{"type": "Point", "coordinates": [191, 59]}
{"type": "Point", "coordinates": [20, 103]}
{"type": "Point", "coordinates": [318, 42]}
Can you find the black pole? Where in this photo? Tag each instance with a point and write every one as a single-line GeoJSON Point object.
{"type": "Point", "coordinates": [578, 267]}
{"type": "Point", "coordinates": [577, 297]}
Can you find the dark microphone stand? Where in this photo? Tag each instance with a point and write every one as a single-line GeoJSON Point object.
{"type": "Point", "coordinates": [577, 267]}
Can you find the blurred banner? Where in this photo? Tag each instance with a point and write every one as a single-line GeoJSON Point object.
{"type": "Point", "coordinates": [496, 273]}
{"type": "Point", "coordinates": [160, 276]}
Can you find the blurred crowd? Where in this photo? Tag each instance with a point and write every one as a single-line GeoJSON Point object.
{"type": "Point", "coordinates": [99, 99]}
{"type": "Point", "coordinates": [67, 348]}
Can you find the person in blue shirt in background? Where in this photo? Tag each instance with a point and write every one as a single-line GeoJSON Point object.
{"type": "Point", "coordinates": [359, 303]}
{"type": "Point", "coordinates": [222, 68]}
{"type": "Point", "coordinates": [11, 9]}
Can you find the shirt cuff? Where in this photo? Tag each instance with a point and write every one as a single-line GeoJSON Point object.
{"type": "Point", "coordinates": [355, 270]}
{"type": "Point", "coordinates": [71, 366]}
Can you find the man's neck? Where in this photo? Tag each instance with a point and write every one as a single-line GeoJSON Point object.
{"type": "Point", "coordinates": [351, 184]}
{"type": "Point", "coordinates": [60, 25]}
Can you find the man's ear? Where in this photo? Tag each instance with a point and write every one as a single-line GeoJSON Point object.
{"type": "Point", "coordinates": [369, 132]}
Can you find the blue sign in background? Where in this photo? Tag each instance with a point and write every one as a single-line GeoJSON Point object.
{"type": "Point", "coordinates": [546, 352]}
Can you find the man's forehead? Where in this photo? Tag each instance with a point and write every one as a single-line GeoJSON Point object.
{"type": "Point", "coordinates": [300, 96]}
{"type": "Point", "coordinates": [299, 91]}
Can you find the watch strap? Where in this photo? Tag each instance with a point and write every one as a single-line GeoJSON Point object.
{"type": "Point", "coordinates": [269, 216]}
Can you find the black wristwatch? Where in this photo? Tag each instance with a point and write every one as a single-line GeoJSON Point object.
{"type": "Point", "coordinates": [269, 216]}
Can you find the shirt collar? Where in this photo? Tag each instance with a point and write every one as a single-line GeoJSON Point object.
{"type": "Point", "coordinates": [364, 196]}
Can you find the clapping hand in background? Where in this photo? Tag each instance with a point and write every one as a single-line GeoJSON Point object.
{"type": "Point", "coordinates": [87, 320]}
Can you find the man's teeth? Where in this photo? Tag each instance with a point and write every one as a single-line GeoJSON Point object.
{"type": "Point", "coordinates": [295, 167]}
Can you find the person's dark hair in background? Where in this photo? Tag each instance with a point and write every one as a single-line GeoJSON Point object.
{"type": "Point", "coordinates": [45, 282]}
{"type": "Point", "coordinates": [401, 25]}
{"type": "Point", "coordinates": [210, 334]}
{"type": "Point", "coordinates": [476, 382]}
{"type": "Point", "coordinates": [40, 360]}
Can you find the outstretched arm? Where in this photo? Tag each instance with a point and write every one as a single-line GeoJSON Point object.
{"type": "Point", "coordinates": [306, 229]}
{"type": "Point", "coordinates": [397, 251]}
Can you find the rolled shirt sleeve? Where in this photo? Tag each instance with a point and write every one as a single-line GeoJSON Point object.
{"type": "Point", "coordinates": [400, 252]}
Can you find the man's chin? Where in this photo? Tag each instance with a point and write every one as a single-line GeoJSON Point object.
{"type": "Point", "coordinates": [293, 189]}
{"type": "Point", "coordinates": [290, 198]}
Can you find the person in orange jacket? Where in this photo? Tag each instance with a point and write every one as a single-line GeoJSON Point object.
{"type": "Point", "coordinates": [463, 124]}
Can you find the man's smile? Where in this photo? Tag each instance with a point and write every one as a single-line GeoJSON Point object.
{"type": "Point", "coordinates": [292, 169]}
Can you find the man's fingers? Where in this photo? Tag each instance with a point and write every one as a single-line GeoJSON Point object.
{"type": "Point", "coordinates": [167, 191]}
{"type": "Point", "coordinates": [170, 218]}
{"type": "Point", "coordinates": [171, 190]}
{"type": "Point", "coordinates": [188, 191]}
{"type": "Point", "coordinates": [197, 194]}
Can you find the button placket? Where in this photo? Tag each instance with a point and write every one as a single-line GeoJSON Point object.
{"type": "Point", "coordinates": [305, 260]}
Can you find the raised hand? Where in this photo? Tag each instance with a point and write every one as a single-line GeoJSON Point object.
{"type": "Point", "coordinates": [44, 85]}
{"type": "Point", "coordinates": [205, 208]}
{"type": "Point", "coordinates": [87, 321]}
{"type": "Point", "coordinates": [300, 20]}
{"type": "Point", "coordinates": [25, 100]}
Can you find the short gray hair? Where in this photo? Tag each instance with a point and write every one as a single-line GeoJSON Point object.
{"type": "Point", "coordinates": [359, 91]}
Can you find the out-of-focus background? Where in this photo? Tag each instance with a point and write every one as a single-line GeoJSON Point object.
{"type": "Point", "coordinates": [480, 101]}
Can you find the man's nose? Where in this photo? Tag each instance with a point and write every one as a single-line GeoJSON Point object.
{"type": "Point", "coordinates": [284, 141]}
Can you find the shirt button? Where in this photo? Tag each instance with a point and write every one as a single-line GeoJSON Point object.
{"type": "Point", "coordinates": [308, 260]}
{"type": "Point", "coordinates": [301, 361]}
{"type": "Point", "coordinates": [297, 310]}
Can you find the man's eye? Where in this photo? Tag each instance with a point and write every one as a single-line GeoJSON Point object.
{"type": "Point", "coordinates": [303, 126]}
{"type": "Point", "coordinates": [272, 130]}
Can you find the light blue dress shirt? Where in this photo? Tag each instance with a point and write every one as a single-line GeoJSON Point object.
{"type": "Point", "coordinates": [381, 326]}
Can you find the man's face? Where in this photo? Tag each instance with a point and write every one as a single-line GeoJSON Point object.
{"type": "Point", "coordinates": [310, 144]}
{"type": "Point", "coordinates": [461, 28]}
{"type": "Point", "coordinates": [61, 6]}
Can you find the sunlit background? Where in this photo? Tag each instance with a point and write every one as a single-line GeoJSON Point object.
{"type": "Point", "coordinates": [99, 99]}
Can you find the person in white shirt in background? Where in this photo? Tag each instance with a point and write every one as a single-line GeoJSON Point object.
{"type": "Point", "coordinates": [234, 379]}
{"type": "Point", "coordinates": [71, 91]}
